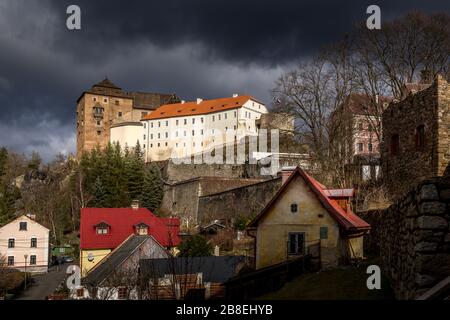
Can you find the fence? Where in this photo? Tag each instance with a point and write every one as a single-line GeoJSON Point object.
{"type": "Point", "coordinates": [252, 284]}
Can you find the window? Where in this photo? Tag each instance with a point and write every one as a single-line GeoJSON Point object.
{"type": "Point", "coordinates": [167, 134]}
{"type": "Point", "coordinates": [176, 133]}
{"type": "Point", "coordinates": [122, 293]}
{"type": "Point", "coordinates": [159, 124]}
{"type": "Point", "coordinates": [185, 121]}
{"type": "Point", "coordinates": [201, 131]}
{"type": "Point", "coordinates": [143, 146]}
{"type": "Point", "coordinates": [323, 232]}
{"type": "Point", "coordinates": [11, 243]}
{"type": "Point", "coordinates": [117, 102]}
{"type": "Point", "coordinates": [119, 114]}
{"type": "Point", "coordinates": [144, 136]}
{"type": "Point", "coordinates": [98, 110]}
{"type": "Point", "coordinates": [193, 120]}
{"type": "Point", "coordinates": [102, 230]}
{"type": "Point", "coordinates": [167, 123]}
{"type": "Point", "coordinates": [159, 144]}
{"type": "Point", "coordinates": [151, 145]}
{"type": "Point", "coordinates": [225, 116]}
{"type": "Point", "coordinates": [99, 123]}
{"type": "Point", "coordinates": [23, 226]}
{"type": "Point", "coordinates": [159, 135]}
{"type": "Point", "coordinates": [105, 100]}
{"type": "Point", "coordinates": [360, 147]}
{"type": "Point", "coordinates": [32, 260]}
{"type": "Point", "coordinates": [219, 117]}
{"type": "Point", "coordinates": [235, 114]}
{"type": "Point", "coordinates": [370, 146]}
{"type": "Point", "coordinates": [184, 133]}
{"type": "Point", "coordinates": [34, 242]}
{"type": "Point", "coordinates": [395, 144]}
{"type": "Point", "coordinates": [177, 122]}
{"type": "Point", "coordinates": [94, 99]}
{"type": "Point", "coordinates": [213, 118]}
{"type": "Point", "coordinates": [151, 124]}
{"type": "Point", "coordinates": [99, 133]}
{"type": "Point", "coordinates": [193, 132]}
{"type": "Point", "coordinates": [294, 208]}
{"type": "Point", "coordinates": [151, 136]}
{"type": "Point", "coordinates": [201, 119]}
{"type": "Point", "coordinates": [296, 242]}
{"type": "Point", "coordinates": [145, 125]}
{"type": "Point", "coordinates": [166, 144]}
{"type": "Point", "coordinates": [10, 260]}
{"type": "Point", "coordinates": [420, 137]}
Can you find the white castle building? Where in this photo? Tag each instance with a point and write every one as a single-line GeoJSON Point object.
{"type": "Point", "coordinates": [186, 128]}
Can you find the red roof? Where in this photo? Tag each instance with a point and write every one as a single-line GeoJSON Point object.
{"type": "Point", "coordinates": [347, 220]}
{"type": "Point", "coordinates": [122, 223]}
{"type": "Point", "coordinates": [193, 108]}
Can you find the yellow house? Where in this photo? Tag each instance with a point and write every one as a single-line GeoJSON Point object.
{"type": "Point", "coordinates": [304, 217]}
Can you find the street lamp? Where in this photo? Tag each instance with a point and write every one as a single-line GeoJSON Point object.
{"type": "Point", "coordinates": [25, 256]}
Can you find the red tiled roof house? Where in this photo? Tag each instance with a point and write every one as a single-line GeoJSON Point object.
{"type": "Point", "coordinates": [306, 217]}
{"type": "Point", "coordinates": [103, 229]}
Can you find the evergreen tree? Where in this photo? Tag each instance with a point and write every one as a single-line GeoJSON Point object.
{"type": "Point", "coordinates": [195, 246]}
{"type": "Point", "coordinates": [99, 194]}
{"type": "Point", "coordinates": [135, 173]}
{"type": "Point", "coordinates": [152, 192]}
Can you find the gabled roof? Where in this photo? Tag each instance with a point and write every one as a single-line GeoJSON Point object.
{"type": "Point", "coordinates": [28, 218]}
{"type": "Point", "coordinates": [193, 108]}
{"type": "Point", "coordinates": [122, 222]}
{"type": "Point", "coordinates": [217, 269]}
{"type": "Point", "coordinates": [106, 83]}
{"type": "Point", "coordinates": [112, 261]}
{"type": "Point", "coordinates": [348, 221]}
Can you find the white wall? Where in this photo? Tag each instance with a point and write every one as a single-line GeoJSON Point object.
{"type": "Point", "coordinates": [23, 244]}
{"type": "Point", "coordinates": [128, 135]}
{"type": "Point", "coordinates": [180, 136]}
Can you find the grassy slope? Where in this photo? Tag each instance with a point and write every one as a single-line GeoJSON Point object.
{"type": "Point", "coordinates": [347, 283]}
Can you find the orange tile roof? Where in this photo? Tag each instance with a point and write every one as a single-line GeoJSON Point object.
{"type": "Point", "coordinates": [192, 108]}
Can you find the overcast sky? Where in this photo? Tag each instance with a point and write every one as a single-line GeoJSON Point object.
{"type": "Point", "coordinates": [192, 48]}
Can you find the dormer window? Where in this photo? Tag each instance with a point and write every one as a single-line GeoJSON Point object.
{"type": "Point", "coordinates": [141, 229]}
{"type": "Point", "coordinates": [102, 228]}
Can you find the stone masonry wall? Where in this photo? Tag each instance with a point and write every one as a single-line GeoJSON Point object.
{"type": "Point", "coordinates": [245, 201]}
{"type": "Point", "coordinates": [413, 238]}
{"type": "Point", "coordinates": [430, 108]}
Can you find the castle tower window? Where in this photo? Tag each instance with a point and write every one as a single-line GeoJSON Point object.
{"type": "Point", "coordinates": [117, 102]}
{"type": "Point", "coordinates": [395, 144]}
{"type": "Point", "coordinates": [119, 113]}
{"type": "Point", "coordinates": [420, 137]}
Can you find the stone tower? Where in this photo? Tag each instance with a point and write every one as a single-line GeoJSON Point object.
{"type": "Point", "coordinates": [105, 104]}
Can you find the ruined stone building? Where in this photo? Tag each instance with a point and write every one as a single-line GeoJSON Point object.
{"type": "Point", "coordinates": [106, 104]}
{"type": "Point", "coordinates": [416, 137]}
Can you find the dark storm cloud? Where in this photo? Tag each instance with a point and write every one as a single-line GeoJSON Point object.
{"type": "Point", "coordinates": [194, 48]}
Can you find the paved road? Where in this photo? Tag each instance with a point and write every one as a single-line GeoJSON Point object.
{"type": "Point", "coordinates": [44, 284]}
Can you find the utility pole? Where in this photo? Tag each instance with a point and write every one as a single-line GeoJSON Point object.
{"type": "Point", "coordinates": [26, 257]}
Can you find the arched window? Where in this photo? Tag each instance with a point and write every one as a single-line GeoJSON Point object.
{"type": "Point", "coordinates": [420, 137]}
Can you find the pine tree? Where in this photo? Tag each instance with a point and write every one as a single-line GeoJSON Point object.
{"type": "Point", "coordinates": [99, 194]}
{"type": "Point", "coordinates": [135, 173]}
{"type": "Point", "coordinates": [152, 192]}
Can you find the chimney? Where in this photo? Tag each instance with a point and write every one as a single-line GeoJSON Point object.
{"type": "Point", "coordinates": [183, 102]}
{"type": "Point", "coordinates": [235, 95]}
{"type": "Point", "coordinates": [199, 100]}
{"type": "Point", "coordinates": [135, 204]}
{"type": "Point", "coordinates": [286, 173]}
{"type": "Point", "coordinates": [31, 216]}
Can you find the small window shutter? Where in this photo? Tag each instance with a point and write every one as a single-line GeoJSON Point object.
{"type": "Point", "coordinates": [323, 232]}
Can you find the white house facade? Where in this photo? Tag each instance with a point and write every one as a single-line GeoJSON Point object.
{"type": "Point", "coordinates": [186, 128]}
{"type": "Point", "coordinates": [24, 243]}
